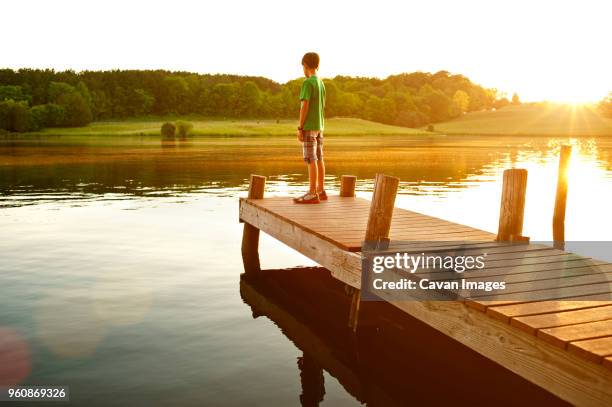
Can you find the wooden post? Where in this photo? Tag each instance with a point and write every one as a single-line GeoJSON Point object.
{"type": "Point", "coordinates": [561, 198]}
{"type": "Point", "coordinates": [347, 185]}
{"type": "Point", "coordinates": [250, 234]}
{"type": "Point", "coordinates": [377, 230]}
{"type": "Point", "coordinates": [381, 209]}
{"type": "Point", "coordinates": [512, 205]}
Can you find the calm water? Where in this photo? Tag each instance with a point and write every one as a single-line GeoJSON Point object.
{"type": "Point", "coordinates": [120, 260]}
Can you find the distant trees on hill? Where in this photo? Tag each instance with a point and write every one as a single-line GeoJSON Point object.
{"type": "Point", "coordinates": [605, 106]}
{"type": "Point", "coordinates": [31, 99]}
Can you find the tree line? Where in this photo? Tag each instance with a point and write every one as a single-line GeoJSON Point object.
{"type": "Point", "coordinates": [605, 106]}
{"type": "Point", "coordinates": [31, 99]}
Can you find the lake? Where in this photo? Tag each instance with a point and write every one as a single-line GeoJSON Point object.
{"type": "Point", "coordinates": [120, 257]}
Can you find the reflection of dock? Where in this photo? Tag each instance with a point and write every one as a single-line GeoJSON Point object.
{"type": "Point", "coordinates": [560, 340]}
{"type": "Point", "coordinates": [394, 361]}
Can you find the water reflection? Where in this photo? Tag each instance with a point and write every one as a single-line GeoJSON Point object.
{"type": "Point", "coordinates": [393, 360]}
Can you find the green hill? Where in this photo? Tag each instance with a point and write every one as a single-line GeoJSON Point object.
{"type": "Point", "coordinates": [531, 120]}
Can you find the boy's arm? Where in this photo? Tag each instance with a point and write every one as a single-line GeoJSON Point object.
{"type": "Point", "coordinates": [303, 113]}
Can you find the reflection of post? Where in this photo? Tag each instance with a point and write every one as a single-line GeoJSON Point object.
{"type": "Point", "coordinates": [347, 185]}
{"type": "Point", "coordinates": [377, 230]}
{"type": "Point", "coordinates": [512, 205]}
{"type": "Point", "coordinates": [313, 383]}
{"type": "Point", "coordinates": [250, 235]}
{"type": "Point", "coordinates": [561, 198]}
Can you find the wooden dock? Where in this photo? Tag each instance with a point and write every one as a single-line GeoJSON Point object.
{"type": "Point", "coordinates": [561, 340]}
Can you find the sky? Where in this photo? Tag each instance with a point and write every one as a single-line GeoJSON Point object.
{"type": "Point", "coordinates": [543, 50]}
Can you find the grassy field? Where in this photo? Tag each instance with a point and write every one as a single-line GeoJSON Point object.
{"type": "Point", "coordinates": [531, 120]}
{"type": "Point", "coordinates": [334, 126]}
{"type": "Point", "coordinates": [523, 120]}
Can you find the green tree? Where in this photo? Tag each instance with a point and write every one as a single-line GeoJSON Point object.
{"type": "Point", "coordinates": [605, 106]}
{"type": "Point", "coordinates": [77, 112]}
{"type": "Point", "coordinates": [461, 100]}
{"type": "Point", "coordinates": [500, 103]}
{"type": "Point", "coordinates": [140, 102]}
{"type": "Point", "coordinates": [174, 93]}
{"type": "Point", "coordinates": [437, 102]}
{"type": "Point", "coordinates": [58, 89]}
{"type": "Point", "coordinates": [15, 93]}
{"type": "Point", "coordinates": [55, 115]}
{"type": "Point", "coordinates": [250, 100]}
{"type": "Point", "coordinates": [38, 117]}
{"type": "Point", "coordinates": [15, 116]}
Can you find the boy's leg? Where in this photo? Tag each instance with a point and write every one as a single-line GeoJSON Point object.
{"type": "Point", "coordinates": [320, 164]}
{"type": "Point", "coordinates": [312, 176]}
{"type": "Point", "coordinates": [320, 175]}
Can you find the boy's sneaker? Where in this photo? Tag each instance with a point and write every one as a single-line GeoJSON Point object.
{"type": "Point", "coordinates": [323, 195]}
{"type": "Point", "coordinates": [307, 198]}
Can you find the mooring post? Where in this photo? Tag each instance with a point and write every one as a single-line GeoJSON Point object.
{"type": "Point", "coordinates": [250, 234]}
{"type": "Point", "coordinates": [381, 209]}
{"type": "Point", "coordinates": [512, 208]}
{"type": "Point", "coordinates": [561, 198]}
{"type": "Point", "coordinates": [347, 186]}
{"type": "Point", "coordinates": [378, 227]}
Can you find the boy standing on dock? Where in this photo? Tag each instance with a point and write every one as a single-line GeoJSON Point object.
{"type": "Point", "coordinates": [310, 129]}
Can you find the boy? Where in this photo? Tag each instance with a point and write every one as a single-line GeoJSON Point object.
{"type": "Point", "coordinates": [310, 129]}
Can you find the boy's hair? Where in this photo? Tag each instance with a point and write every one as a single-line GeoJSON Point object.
{"type": "Point", "coordinates": [311, 60]}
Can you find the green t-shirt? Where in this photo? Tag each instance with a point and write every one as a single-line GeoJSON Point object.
{"type": "Point", "coordinates": [313, 90]}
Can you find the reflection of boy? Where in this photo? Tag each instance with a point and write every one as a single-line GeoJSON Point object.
{"type": "Point", "coordinates": [310, 129]}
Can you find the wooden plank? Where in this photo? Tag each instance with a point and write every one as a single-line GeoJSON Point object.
{"type": "Point", "coordinates": [561, 336]}
{"type": "Point", "coordinates": [608, 362]}
{"type": "Point", "coordinates": [528, 272]}
{"type": "Point", "coordinates": [481, 303]}
{"type": "Point", "coordinates": [592, 349]}
{"type": "Point", "coordinates": [527, 288]}
{"type": "Point", "coordinates": [532, 323]}
{"type": "Point", "coordinates": [511, 278]}
{"type": "Point", "coordinates": [506, 312]}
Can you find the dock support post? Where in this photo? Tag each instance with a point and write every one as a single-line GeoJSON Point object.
{"type": "Point", "coordinates": [512, 208]}
{"type": "Point", "coordinates": [250, 234]}
{"type": "Point", "coordinates": [561, 198]}
{"type": "Point", "coordinates": [377, 230]}
{"type": "Point", "coordinates": [347, 186]}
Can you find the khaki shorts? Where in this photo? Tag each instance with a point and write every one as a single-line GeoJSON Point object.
{"type": "Point", "coordinates": [312, 146]}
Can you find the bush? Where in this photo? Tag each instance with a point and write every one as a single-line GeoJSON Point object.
{"type": "Point", "coordinates": [183, 128]}
{"type": "Point", "coordinates": [167, 130]}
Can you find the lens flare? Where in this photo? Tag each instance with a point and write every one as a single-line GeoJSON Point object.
{"type": "Point", "coordinates": [15, 359]}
